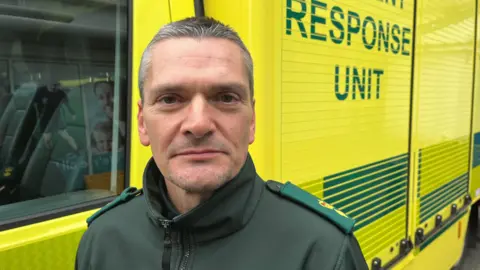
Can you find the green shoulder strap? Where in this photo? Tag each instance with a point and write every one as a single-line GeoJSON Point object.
{"type": "Point", "coordinates": [126, 195]}
{"type": "Point", "coordinates": [296, 194]}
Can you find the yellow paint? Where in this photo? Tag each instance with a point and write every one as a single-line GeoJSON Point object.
{"type": "Point", "coordinates": [305, 133]}
{"type": "Point", "coordinates": [46, 245]}
{"type": "Point", "coordinates": [442, 254]}
{"type": "Point", "coordinates": [442, 163]}
{"type": "Point", "coordinates": [327, 132]}
{"type": "Point", "coordinates": [429, 225]}
{"type": "Point", "coordinates": [180, 9]}
{"type": "Point", "coordinates": [475, 151]}
{"type": "Point", "coordinates": [404, 263]}
{"type": "Point", "coordinates": [444, 73]}
{"type": "Point", "coordinates": [441, 120]}
{"type": "Point", "coordinates": [475, 184]}
{"type": "Point", "coordinates": [149, 17]}
{"type": "Point", "coordinates": [414, 153]}
{"type": "Point", "coordinates": [378, 238]}
{"type": "Point", "coordinates": [442, 99]}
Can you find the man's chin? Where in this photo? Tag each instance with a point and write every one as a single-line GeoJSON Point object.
{"type": "Point", "coordinates": [200, 179]}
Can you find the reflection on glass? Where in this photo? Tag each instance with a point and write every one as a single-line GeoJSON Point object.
{"type": "Point", "coordinates": [61, 132]}
{"type": "Point", "coordinates": [5, 94]}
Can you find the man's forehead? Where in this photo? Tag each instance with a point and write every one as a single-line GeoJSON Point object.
{"type": "Point", "coordinates": [186, 61]}
{"type": "Point", "coordinates": [193, 51]}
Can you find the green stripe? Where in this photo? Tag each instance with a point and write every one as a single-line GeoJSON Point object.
{"type": "Point", "coordinates": [330, 189]}
{"type": "Point", "coordinates": [364, 181]}
{"type": "Point", "coordinates": [441, 197]}
{"type": "Point", "coordinates": [371, 186]}
{"type": "Point", "coordinates": [419, 171]}
{"type": "Point", "coordinates": [368, 220]}
{"type": "Point", "coordinates": [433, 195]}
{"type": "Point", "coordinates": [394, 160]}
{"type": "Point", "coordinates": [432, 238]}
{"type": "Point", "coordinates": [444, 203]}
{"type": "Point", "coordinates": [362, 199]}
{"type": "Point", "coordinates": [459, 141]}
{"type": "Point", "coordinates": [357, 212]}
{"type": "Point", "coordinates": [447, 195]}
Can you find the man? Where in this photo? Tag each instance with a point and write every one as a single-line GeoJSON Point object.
{"type": "Point", "coordinates": [203, 206]}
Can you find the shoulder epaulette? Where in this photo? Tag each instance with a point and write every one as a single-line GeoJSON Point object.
{"type": "Point", "coordinates": [294, 193]}
{"type": "Point", "coordinates": [126, 195]}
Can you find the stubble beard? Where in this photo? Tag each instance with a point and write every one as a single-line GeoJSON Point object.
{"type": "Point", "coordinates": [200, 180]}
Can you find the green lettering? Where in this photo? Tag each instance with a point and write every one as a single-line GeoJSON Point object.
{"type": "Point", "coordinates": [395, 29]}
{"type": "Point", "coordinates": [352, 16]}
{"type": "Point", "coordinates": [383, 35]}
{"type": "Point", "coordinates": [368, 45]}
{"type": "Point", "coordinates": [405, 41]}
{"type": "Point", "coordinates": [356, 82]}
{"type": "Point", "coordinates": [369, 83]}
{"type": "Point", "coordinates": [317, 19]}
{"type": "Point", "coordinates": [379, 72]}
{"type": "Point", "coordinates": [297, 16]}
{"type": "Point", "coordinates": [336, 22]}
{"type": "Point", "coordinates": [339, 95]}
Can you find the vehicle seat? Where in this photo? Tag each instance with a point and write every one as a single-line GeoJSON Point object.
{"type": "Point", "coordinates": [59, 169]}
{"type": "Point", "coordinates": [17, 123]}
{"type": "Point", "coordinates": [4, 100]}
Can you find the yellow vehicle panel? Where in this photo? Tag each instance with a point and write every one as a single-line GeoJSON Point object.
{"type": "Point", "coordinates": [345, 103]}
{"type": "Point", "coordinates": [442, 86]}
{"type": "Point", "coordinates": [475, 151]}
{"type": "Point", "coordinates": [46, 245]}
{"type": "Point", "coordinates": [443, 252]}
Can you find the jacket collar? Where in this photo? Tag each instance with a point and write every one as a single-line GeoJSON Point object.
{"type": "Point", "coordinates": [228, 210]}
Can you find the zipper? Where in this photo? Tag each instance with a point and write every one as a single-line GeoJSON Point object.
{"type": "Point", "coordinates": [167, 250]}
{"type": "Point", "coordinates": [188, 251]}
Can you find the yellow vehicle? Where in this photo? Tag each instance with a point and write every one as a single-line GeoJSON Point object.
{"type": "Point", "coordinates": [373, 106]}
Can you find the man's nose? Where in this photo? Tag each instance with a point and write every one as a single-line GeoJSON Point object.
{"type": "Point", "coordinates": [198, 122]}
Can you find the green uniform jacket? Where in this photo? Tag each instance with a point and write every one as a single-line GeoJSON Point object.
{"type": "Point", "coordinates": [248, 224]}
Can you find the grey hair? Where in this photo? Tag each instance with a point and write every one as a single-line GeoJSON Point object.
{"type": "Point", "coordinates": [194, 27]}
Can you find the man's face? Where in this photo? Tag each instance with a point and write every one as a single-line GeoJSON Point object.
{"type": "Point", "coordinates": [197, 112]}
{"type": "Point", "coordinates": [105, 94]}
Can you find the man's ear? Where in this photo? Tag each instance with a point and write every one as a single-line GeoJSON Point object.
{"type": "Point", "coordinates": [142, 128]}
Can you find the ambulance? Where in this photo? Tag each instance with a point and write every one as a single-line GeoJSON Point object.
{"type": "Point", "coordinates": [372, 106]}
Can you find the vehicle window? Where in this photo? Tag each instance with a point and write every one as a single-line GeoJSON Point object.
{"type": "Point", "coordinates": [63, 90]}
{"type": "Point", "coordinates": [5, 91]}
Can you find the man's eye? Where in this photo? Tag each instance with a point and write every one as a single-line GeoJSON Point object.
{"type": "Point", "coordinates": [227, 98]}
{"type": "Point", "coordinates": [168, 99]}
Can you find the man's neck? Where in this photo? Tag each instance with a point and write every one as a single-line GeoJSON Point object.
{"type": "Point", "coordinates": [182, 200]}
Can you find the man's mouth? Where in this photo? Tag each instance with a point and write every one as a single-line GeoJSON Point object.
{"type": "Point", "coordinates": [199, 154]}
